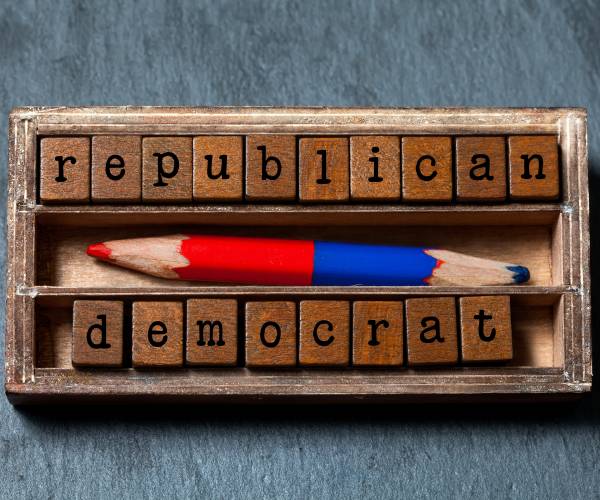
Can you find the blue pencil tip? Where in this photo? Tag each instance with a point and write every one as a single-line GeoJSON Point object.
{"type": "Point", "coordinates": [521, 274]}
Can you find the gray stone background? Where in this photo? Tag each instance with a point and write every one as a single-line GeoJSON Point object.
{"type": "Point", "coordinates": [372, 53]}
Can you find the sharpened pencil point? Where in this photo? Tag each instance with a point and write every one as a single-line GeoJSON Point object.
{"type": "Point", "coordinates": [521, 274]}
{"type": "Point", "coordinates": [99, 250]}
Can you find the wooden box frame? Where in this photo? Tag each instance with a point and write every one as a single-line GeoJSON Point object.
{"type": "Point", "coordinates": [27, 383]}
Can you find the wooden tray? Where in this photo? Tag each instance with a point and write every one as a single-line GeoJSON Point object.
{"type": "Point", "coordinates": [47, 271]}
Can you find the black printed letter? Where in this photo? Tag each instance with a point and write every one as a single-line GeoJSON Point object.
{"type": "Point", "coordinates": [421, 175]}
{"type": "Point", "coordinates": [485, 165]}
{"type": "Point", "coordinates": [119, 164]}
{"type": "Point", "coordinates": [527, 160]}
{"type": "Point", "coordinates": [374, 325]}
{"type": "Point", "coordinates": [265, 162]}
{"type": "Point", "coordinates": [435, 327]}
{"type": "Point", "coordinates": [61, 167]}
{"type": "Point", "coordinates": [481, 317]}
{"type": "Point", "coordinates": [161, 330]}
{"type": "Point", "coordinates": [98, 326]}
{"type": "Point", "coordinates": [161, 171]}
{"type": "Point", "coordinates": [318, 340]}
{"type": "Point", "coordinates": [375, 161]}
{"type": "Point", "coordinates": [277, 338]}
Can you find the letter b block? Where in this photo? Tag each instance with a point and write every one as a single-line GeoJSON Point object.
{"type": "Point", "coordinates": [97, 333]}
{"type": "Point", "coordinates": [64, 169]}
{"type": "Point", "coordinates": [270, 167]}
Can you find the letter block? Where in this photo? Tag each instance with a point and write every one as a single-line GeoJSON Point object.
{"type": "Point", "coordinates": [271, 335]}
{"type": "Point", "coordinates": [324, 333]}
{"type": "Point", "coordinates": [485, 329]}
{"type": "Point", "coordinates": [116, 168]}
{"type": "Point", "coordinates": [533, 167]}
{"type": "Point", "coordinates": [218, 165]}
{"type": "Point", "coordinates": [431, 331]}
{"type": "Point", "coordinates": [212, 332]}
{"type": "Point", "coordinates": [270, 167]}
{"type": "Point", "coordinates": [426, 168]}
{"type": "Point", "coordinates": [324, 169]}
{"type": "Point", "coordinates": [375, 168]}
{"type": "Point", "coordinates": [167, 169]}
{"type": "Point", "coordinates": [157, 339]}
{"type": "Point", "coordinates": [378, 333]}
{"type": "Point", "coordinates": [64, 169]}
{"type": "Point", "coordinates": [480, 168]}
{"type": "Point", "coordinates": [97, 333]}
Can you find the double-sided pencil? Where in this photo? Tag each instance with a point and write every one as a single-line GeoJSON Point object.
{"type": "Point", "coordinates": [271, 261]}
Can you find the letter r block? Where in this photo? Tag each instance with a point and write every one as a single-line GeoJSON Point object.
{"type": "Point", "coordinates": [97, 333]}
{"type": "Point", "coordinates": [426, 169]}
{"type": "Point", "coordinates": [65, 170]}
{"type": "Point", "coordinates": [212, 332]}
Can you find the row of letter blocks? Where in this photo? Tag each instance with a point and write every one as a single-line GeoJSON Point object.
{"type": "Point", "coordinates": [129, 169]}
{"type": "Point", "coordinates": [327, 333]}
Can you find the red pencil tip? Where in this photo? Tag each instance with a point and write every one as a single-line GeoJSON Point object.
{"type": "Point", "coordinates": [99, 250]}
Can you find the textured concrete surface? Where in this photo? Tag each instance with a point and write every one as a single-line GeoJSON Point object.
{"type": "Point", "coordinates": [535, 53]}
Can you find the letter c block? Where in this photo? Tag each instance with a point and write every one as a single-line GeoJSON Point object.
{"type": "Point", "coordinates": [426, 169]}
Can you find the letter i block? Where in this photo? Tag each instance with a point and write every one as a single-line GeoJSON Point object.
{"type": "Point", "coordinates": [378, 333]}
{"type": "Point", "coordinates": [116, 168]}
{"type": "Point", "coordinates": [218, 165]}
{"type": "Point", "coordinates": [375, 167]}
{"type": "Point", "coordinates": [271, 334]}
{"type": "Point", "coordinates": [485, 329]}
{"type": "Point", "coordinates": [324, 333]}
{"type": "Point", "coordinates": [64, 169]}
{"type": "Point", "coordinates": [324, 169]}
{"type": "Point", "coordinates": [427, 169]}
{"type": "Point", "coordinates": [212, 332]}
{"type": "Point", "coordinates": [157, 339]}
{"type": "Point", "coordinates": [431, 331]}
{"type": "Point", "coordinates": [480, 169]}
{"type": "Point", "coordinates": [270, 167]}
{"type": "Point", "coordinates": [533, 167]}
{"type": "Point", "coordinates": [167, 169]}
{"type": "Point", "coordinates": [97, 333]}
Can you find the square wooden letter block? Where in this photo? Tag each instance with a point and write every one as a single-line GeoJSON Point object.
{"type": "Point", "coordinates": [426, 168]}
{"type": "Point", "coordinates": [218, 165]}
{"type": "Point", "coordinates": [212, 332]}
{"type": "Point", "coordinates": [378, 333]}
{"type": "Point", "coordinates": [533, 167]}
{"type": "Point", "coordinates": [480, 169]}
{"type": "Point", "coordinates": [324, 333]}
{"type": "Point", "coordinates": [324, 169]}
{"type": "Point", "coordinates": [64, 169]}
{"type": "Point", "coordinates": [485, 329]}
{"type": "Point", "coordinates": [167, 169]}
{"type": "Point", "coordinates": [431, 331]}
{"type": "Point", "coordinates": [375, 167]}
{"type": "Point", "coordinates": [270, 167]}
{"type": "Point", "coordinates": [157, 334]}
{"type": "Point", "coordinates": [271, 335]}
{"type": "Point", "coordinates": [97, 333]}
{"type": "Point", "coordinates": [116, 168]}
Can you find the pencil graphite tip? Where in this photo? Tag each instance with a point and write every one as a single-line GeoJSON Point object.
{"type": "Point", "coordinates": [99, 250]}
{"type": "Point", "coordinates": [521, 274]}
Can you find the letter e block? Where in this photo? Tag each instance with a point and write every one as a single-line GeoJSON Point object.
{"type": "Point", "coordinates": [378, 333]}
{"type": "Point", "coordinates": [116, 168]}
{"type": "Point", "coordinates": [533, 167]}
{"type": "Point", "coordinates": [157, 334]}
{"type": "Point", "coordinates": [485, 329]}
{"type": "Point", "coordinates": [426, 169]}
{"type": "Point", "coordinates": [270, 167]}
{"type": "Point", "coordinates": [480, 169]}
{"type": "Point", "coordinates": [375, 168]}
{"type": "Point", "coordinates": [167, 169]}
{"type": "Point", "coordinates": [218, 165]}
{"type": "Point", "coordinates": [431, 331]}
{"type": "Point", "coordinates": [324, 333]}
{"type": "Point", "coordinates": [324, 169]}
{"type": "Point", "coordinates": [97, 333]}
{"type": "Point", "coordinates": [212, 332]}
{"type": "Point", "coordinates": [65, 169]}
{"type": "Point", "coordinates": [271, 336]}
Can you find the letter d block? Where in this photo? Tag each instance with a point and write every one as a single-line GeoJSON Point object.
{"type": "Point", "coordinates": [97, 333]}
{"type": "Point", "coordinates": [324, 333]}
{"type": "Point", "coordinates": [157, 334]}
{"type": "Point", "coordinates": [485, 329]}
{"type": "Point", "coordinates": [65, 170]}
{"type": "Point", "coordinates": [431, 331]}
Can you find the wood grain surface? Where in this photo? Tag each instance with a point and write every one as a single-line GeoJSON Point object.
{"type": "Point", "coordinates": [167, 169]}
{"type": "Point", "coordinates": [64, 169]}
{"type": "Point", "coordinates": [324, 169]}
{"type": "Point", "coordinates": [271, 167]}
{"type": "Point", "coordinates": [218, 168]}
{"type": "Point", "coordinates": [375, 167]}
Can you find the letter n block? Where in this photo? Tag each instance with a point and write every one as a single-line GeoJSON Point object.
{"type": "Point", "coordinates": [485, 329]}
{"type": "Point", "coordinates": [480, 169]}
{"type": "Point", "coordinates": [324, 169]}
{"type": "Point", "coordinates": [378, 333]}
{"type": "Point", "coordinates": [212, 332]}
{"type": "Point", "coordinates": [65, 170]}
{"type": "Point", "coordinates": [431, 331]}
{"type": "Point", "coordinates": [97, 333]}
{"type": "Point", "coordinates": [167, 169]}
{"type": "Point", "coordinates": [270, 167]}
{"type": "Point", "coordinates": [218, 165]}
{"type": "Point", "coordinates": [157, 338]}
{"type": "Point", "coordinates": [271, 336]}
{"type": "Point", "coordinates": [324, 333]}
{"type": "Point", "coordinates": [426, 169]}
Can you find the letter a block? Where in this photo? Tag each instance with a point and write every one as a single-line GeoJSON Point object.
{"type": "Point", "coordinates": [97, 333]}
{"type": "Point", "coordinates": [64, 169]}
{"type": "Point", "coordinates": [324, 169]}
{"type": "Point", "coordinates": [324, 333]}
{"type": "Point", "coordinates": [270, 167]}
{"type": "Point", "coordinates": [533, 167]}
{"type": "Point", "coordinates": [485, 329]}
{"type": "Point", "coordinates": [426, 168]}
{"type": "Point", "coordinates": [167, 169]}
{"type": "Point", "coordinates": [212, 332]}
{"type": "Point", "coordinates": [480, 169]}
{"type": "Point", "coordinates": [271, 335]}
{"type": "Point", "coordinates": [431, 331]}
{"type": "Point", "coordinates": [157, 339]}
